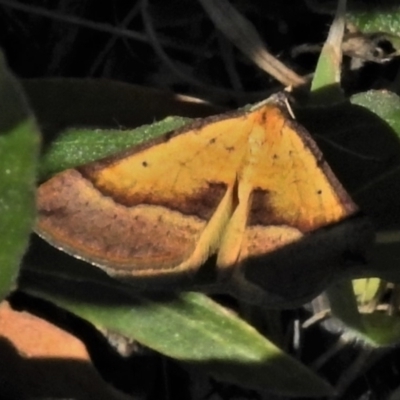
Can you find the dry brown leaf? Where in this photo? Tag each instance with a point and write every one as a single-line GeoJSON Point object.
{"type": "Point", "coordinates": [39, 360]}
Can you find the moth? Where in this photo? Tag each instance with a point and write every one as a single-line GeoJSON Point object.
{"type": "Point", "coordinates": [242, 203]}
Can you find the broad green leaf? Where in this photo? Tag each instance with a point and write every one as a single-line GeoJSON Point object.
{"type": "Point", "coordinates": [384, 104]}
{"type": "Point", "coordinates": [360, 141]}
{"type": "Point", "coordinates": [189, 327]}
{"type": "Point", "coordinates": [76, 147]}
{"type": "Point", "coordinates": [376, 17]}
{"type": "Point", "coordinates": [378, 192]}
{"type": "Point", "coordinates": [19, 147]}
{"type": "Point", "coordinates": [379, 196]}
{"type": "Point", "coordinates": [367, 16]}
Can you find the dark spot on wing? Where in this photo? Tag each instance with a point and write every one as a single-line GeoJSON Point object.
{"type": "Point", "coordinates": [261, 212]}
{"type": "Point", "coordinates": [264, 117]}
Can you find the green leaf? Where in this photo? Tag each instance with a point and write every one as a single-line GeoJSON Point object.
{"type": "Point", "coordinates": [325, 86]}
{"type": "Point", "coordinates": [76, 147]}
{"type": "Point", "coordinates": [19, 147]}
{"type": "Point", "coordinates": [189, 327]}
{"type": "Point", "coordinates": [379, 196]}
{"type": "Point", "coordinates": [360, 140]}
{"type": "Point", "coordinates": [376, 17]}
{"type": "Point", "coordinates": [384, 104]}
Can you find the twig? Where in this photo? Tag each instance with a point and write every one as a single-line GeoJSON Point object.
{"type": "Point", "coordinates": [172, 66]}
{"type": "Point", "coordinates": [132, 13]}
{"type": "Point", "coordinates": [244, 36]}
{"type": "Point", "coordinates": [70, 19]}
